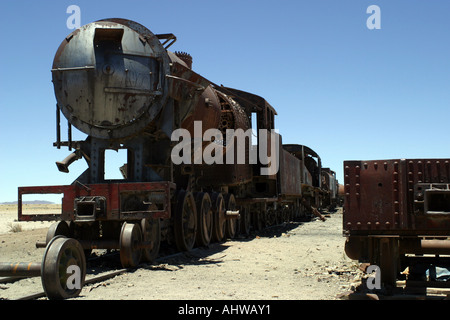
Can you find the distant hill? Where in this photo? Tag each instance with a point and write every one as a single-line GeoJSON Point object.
{"type": "Point", "coordinates": [29, 202]}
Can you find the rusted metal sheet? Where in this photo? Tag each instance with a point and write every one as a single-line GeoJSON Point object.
{"type": "Point", "coordinates": [341, 190]}
{"type": "Point", "coordinates": [250, 102]}
{"type": "Point", "coordinates": [184, 82]}
{"type": "Point", "coordinates": [329, 188]}
{"type": "Point", "coordinates": [236, 168]}
{"type": "Point", "coordinates": [265, 120]}
{"type": "Point", "coordinates": [401, 197]}
{"type": "Point", "coordinates": [329, 182]}
{"type": "Point", "coordinates": [115, 197]}
{"type": "Point", "coordinates": [290, 175]}
{"type": "Point", "coordinates": [110, 78]}
{"type": "Point", "coordinates": [311, 165]}
{"type": "Point", "coordinates": [207, 110]}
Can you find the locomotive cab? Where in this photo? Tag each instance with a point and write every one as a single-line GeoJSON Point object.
{"type": "Point", "coordinates": [261, 116]}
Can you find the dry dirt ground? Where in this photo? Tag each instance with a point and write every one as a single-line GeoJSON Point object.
{"type": "Point", "coordinates": [293, 261]}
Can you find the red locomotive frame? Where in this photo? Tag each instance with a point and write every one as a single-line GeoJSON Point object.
{"type": "Point", "coordinates": [111, 192]}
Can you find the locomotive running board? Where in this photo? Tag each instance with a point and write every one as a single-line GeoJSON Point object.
{"type": "Point", "coordinates": [112, 193]}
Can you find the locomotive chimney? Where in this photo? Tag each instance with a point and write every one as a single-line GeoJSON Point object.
{"type": "Point", "coordinates": [186, 57]}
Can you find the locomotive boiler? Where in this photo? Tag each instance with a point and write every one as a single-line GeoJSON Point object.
{"type": "Point", "coordinates": [118, 83]}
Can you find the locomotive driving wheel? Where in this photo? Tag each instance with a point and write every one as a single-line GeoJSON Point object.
{"type": "Point", "coordinates": [285, 214]}
{"type": "Point", "coordinates": [271, 216]}
{"type": "Point", "coordinates": [204, 221]}
{"type": "Point", "coordinates": [279, 215]}
{"type": "Point", "coordinates": [230, 223]}
{"type": "Point", "coordinates": [63, 268]}
{"type": "Point", "coordinates": [245, 220]}
{"type": "Point", "coordinates": [258, 217]}
{"type": "Point", "coordinates": [185, 221]}
{"type": "Point", "coordinates": [151, 233]}
{"type": "Point", "coordinates": [130, 238]}
{"type": "Point", "coordinates": [59, 228]}
{"type": "Point", "coordinates": [218, 216]}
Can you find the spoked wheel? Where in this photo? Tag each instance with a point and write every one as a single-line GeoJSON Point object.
{"type": "Point", "coordinates": [257, 220]}
{"type": "Point", "coordinates": [204, 221]}
{"type": "Point", "coordinates": [218, 216]}
{"type": "Point", "coordinates": [185, 221]}
{"type": "Point", "coordinates": [63, 268]}
{"type": "Point", "coordinates": [286, 214]}
{"type": "Point", "coordinates": [245, 220]}
{"type": "Point", "coordinates": [151, 233]}
{"type": "Point", "coordinates": [60, 228]}
{"type": "Point", "coordinates": [85, 231]}
{"type": "Point", "coordinates": [279, 215]}
{"type": "Point", "coordinates": [263, 215]}
{"type": "Point", "coordinates": [130, 238]}
{"type": "Point", "coordinates": [271, 216]}
{"type": "Point", "coordinates": [230, 223]}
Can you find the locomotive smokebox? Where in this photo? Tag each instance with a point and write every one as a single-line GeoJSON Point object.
{"type": "Point", "coordinates": [109, 78]}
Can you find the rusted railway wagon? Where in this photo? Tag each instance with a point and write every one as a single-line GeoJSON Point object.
{"type": "Point", "coordinates": [397, 214]}
{"type": "Point", "coordinates": [330, 187]}
{"type": "Point", "coordinates": [117, 82]}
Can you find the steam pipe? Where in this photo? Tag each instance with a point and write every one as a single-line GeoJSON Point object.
{"type": "Point", "coordinates": [63, 166]}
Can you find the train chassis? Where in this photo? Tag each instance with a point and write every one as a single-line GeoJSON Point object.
{"type": "Point", "coordinates": [396, 216]}
{"type": "Point", "coordinates": [136, 217]}
{"type": "Point", "coordinates": [393, 254]}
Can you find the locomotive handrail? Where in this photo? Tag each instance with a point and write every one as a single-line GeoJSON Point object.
{"type": "Point", "coordinates": [168, 37]}
{"type": "Point", "coordinates": [132, 91]}
{"type": "Point", "coordinates": [199, 87]}
{"type": "Point", "coordinates": [73, 68]}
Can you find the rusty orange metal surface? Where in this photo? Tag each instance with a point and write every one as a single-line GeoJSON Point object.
{"type": "Point", "coordinates": [404, 196]}
{"type": "Point", "coordinates": [114, 194]}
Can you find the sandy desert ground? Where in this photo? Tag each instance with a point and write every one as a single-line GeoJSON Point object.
{"type": "Point", "coordinates": [293, 261]}
{"type": "Point", "coordinates": [8, 217]}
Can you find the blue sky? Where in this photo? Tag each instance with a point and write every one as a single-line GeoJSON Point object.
{"type": "Point", "coordinates": [347, 92]}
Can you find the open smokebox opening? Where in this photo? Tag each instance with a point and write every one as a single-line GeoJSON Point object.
{"type": "Point", "coordinates": [108, 35]}
{"type": "Point", "coordinates": [437, 201]}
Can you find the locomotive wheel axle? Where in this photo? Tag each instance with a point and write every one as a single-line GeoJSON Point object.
{"type": "Point", "coordinates": [130, 238]}
{"type": "Point", "coordinates": [62, 262]}
{"type": "Point", "coordinates": [198, 219]}
{"type": "Point", "coordinates": [185, 221]}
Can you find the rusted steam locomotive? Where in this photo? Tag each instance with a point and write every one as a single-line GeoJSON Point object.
{"type": "Point", "coordinates": [330, 187]}
{"type": "Point", "coordinates": [115, 81]}
{"type": "Point", "coordinates": [397, 216]}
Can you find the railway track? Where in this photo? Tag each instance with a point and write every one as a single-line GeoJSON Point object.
{"type": "Point", "coordinates": [106, 265]}
{"type": "Point", "coordinates": [93, 280]}
{"type": "Point", "coordinates": [105, 275]}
